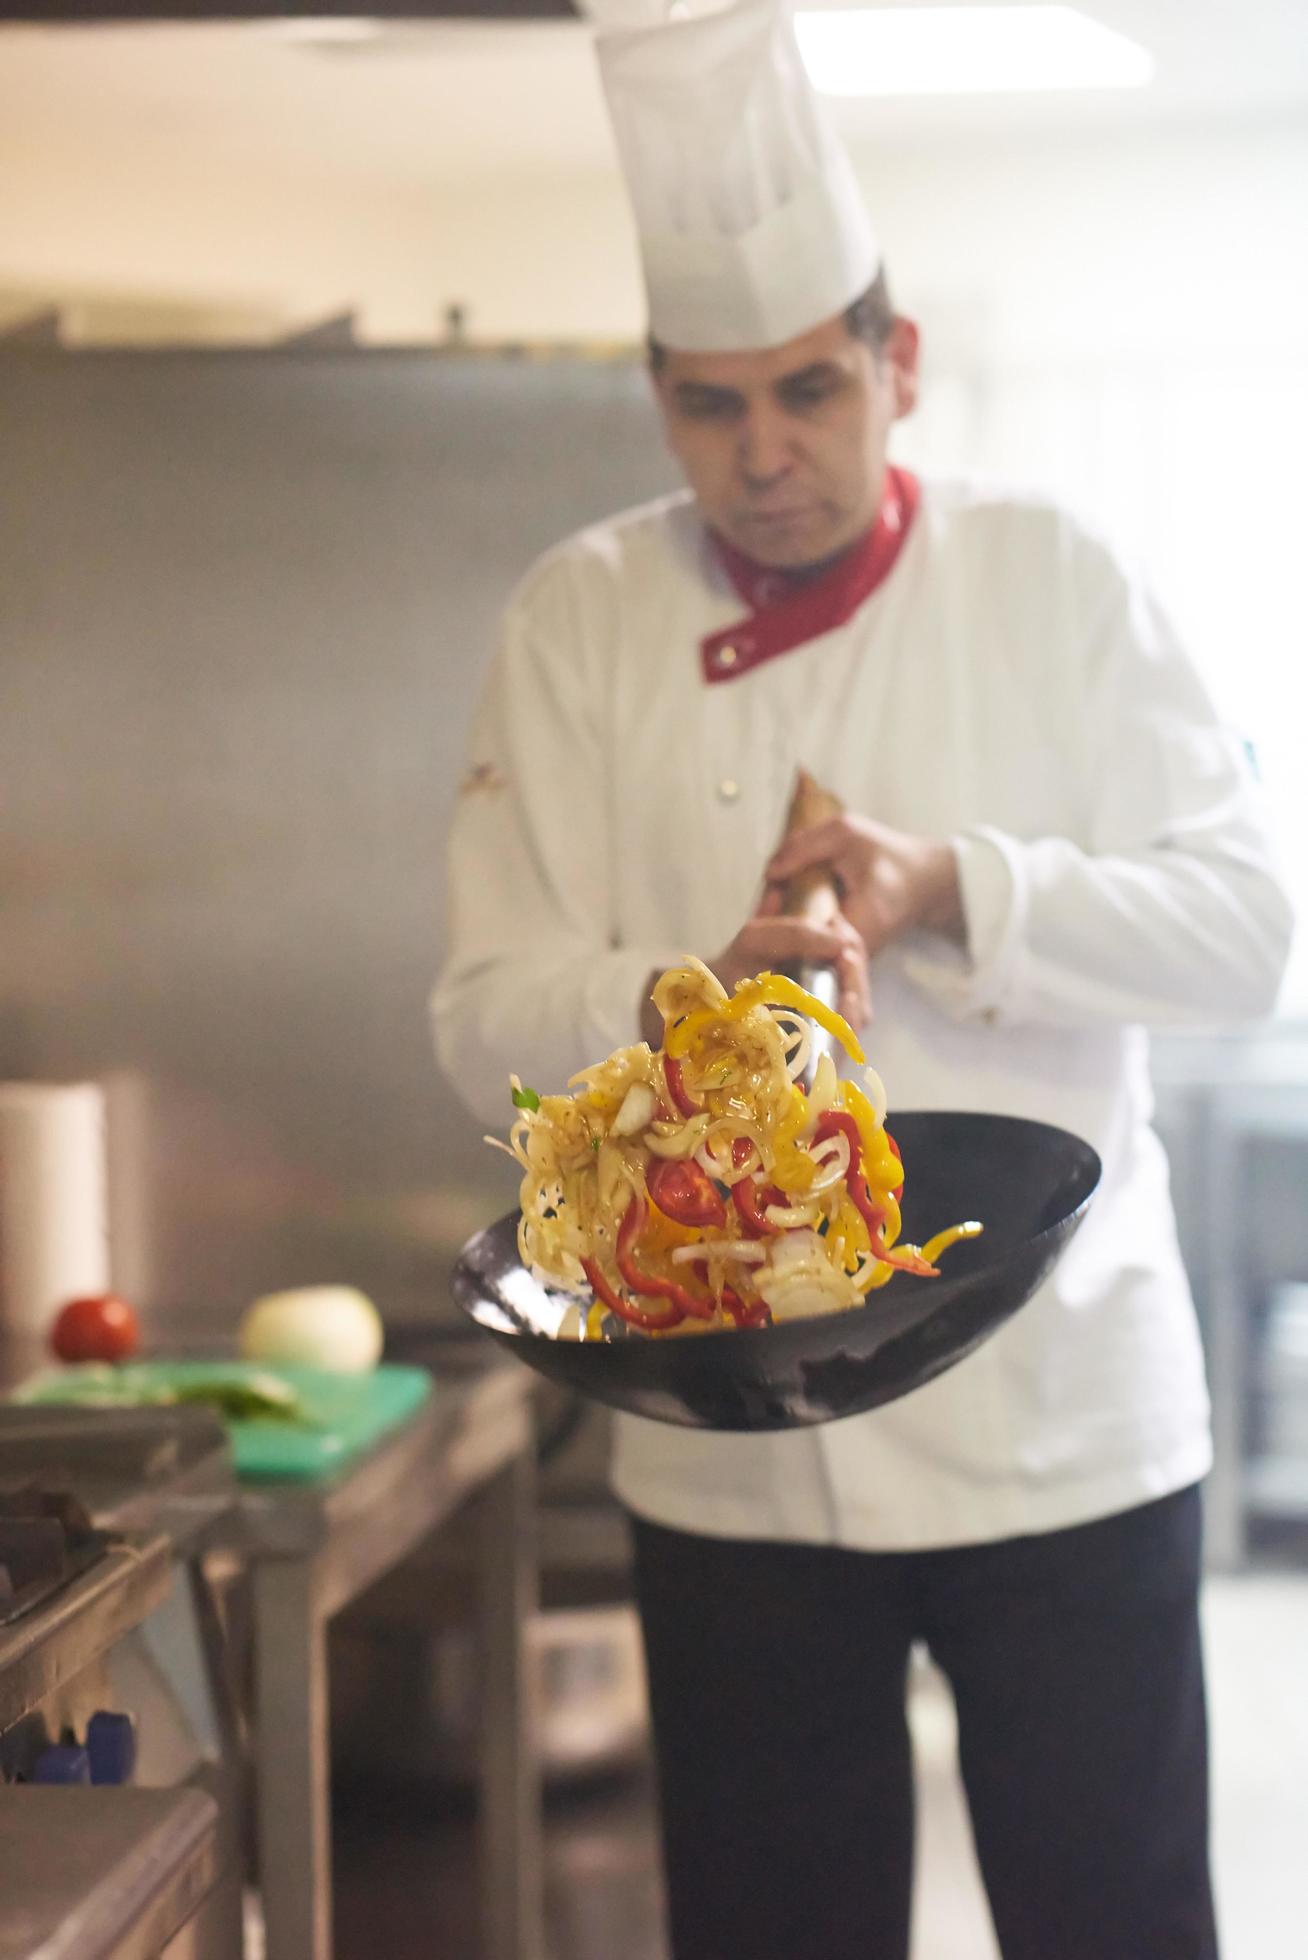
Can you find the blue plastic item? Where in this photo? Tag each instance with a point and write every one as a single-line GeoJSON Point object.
{"type": "Point", "coordinates": [111, 1746]}
{"type": "Point", "coordinates": [63, 1762]}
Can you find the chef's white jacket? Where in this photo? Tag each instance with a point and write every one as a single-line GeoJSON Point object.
{"type": "Point", "coordinates": [1010, 687]}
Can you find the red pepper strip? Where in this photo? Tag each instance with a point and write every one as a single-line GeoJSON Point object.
{"type": "Point", "coordinates": [856, 1185]}
{"type": "Point", "coordinates": [749, 1198]}
{"type": "Point", "coordinates": [744, 1314]}
{"type": "Point", "coordinates": [898, 1191]}
{"type": "Point", "coordinates": [684, 1192]}
{"type": "Point", "coordinates": [755, 1314]}
{"type": "Point", "coordinates": [749, 1201]}
{"type": "Point", "coordinates": [677, 1086]}
{"type": "Point", "coordinates": [670, 1316]}
{"type": "Point", "coordinates": [648, 1284]}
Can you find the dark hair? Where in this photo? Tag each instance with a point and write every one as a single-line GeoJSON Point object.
{"type": "Point", "coordinates": [871, 318]}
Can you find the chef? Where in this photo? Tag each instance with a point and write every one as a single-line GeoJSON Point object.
{"type": "Point", "coordinates": [1051, 843]}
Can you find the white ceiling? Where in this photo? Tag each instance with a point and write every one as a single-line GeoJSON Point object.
{"type": "Point", "coordinates": [440, 102]}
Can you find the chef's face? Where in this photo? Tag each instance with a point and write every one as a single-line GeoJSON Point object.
{"type": "Point", "coordinates": [785, 448]}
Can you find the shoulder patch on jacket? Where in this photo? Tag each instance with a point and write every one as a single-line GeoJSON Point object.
{"type": "Point", "coordinates": [483, 777]}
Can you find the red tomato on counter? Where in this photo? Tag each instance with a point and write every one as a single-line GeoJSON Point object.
{"type": "Point", "coordinates": [102, 1328]}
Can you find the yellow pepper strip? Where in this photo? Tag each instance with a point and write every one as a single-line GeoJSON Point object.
{"type": "Point", "coordinates": [662, 1233]}
{"type": "Point", "coordinates": [775, 990]}
{"type": "Point", "coordinates": [848, 1221]}
{"type": "Point", "coordinates": [794, 1172]}
{"type": "Point", "coordinates": [788, 1132]}
{"type": "Point", "coordinates": [768, 990]}
{"type": "Point", "coordinates": [794, 1122]}
{"type": "Point", "coordinates": [942, 1241]}
{"type": "Point", "coordinates": [595, 1321]}
{"type": "Point", "coordinates": [853, 1099]}
{"type": "Point", "coordinates": [679, 1039]}
{"type": "Point", "coordinates": [885, 1173]}
{"type": "Point", "coordinates": [881, 1167]}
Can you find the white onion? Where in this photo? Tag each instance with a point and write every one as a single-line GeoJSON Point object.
{"type": "Point", "coordinates": [876, 1093]}
{"type": "Point", "coordinates": [796, 1040]}
{"type": "Point", "coordinates": [823, 1093]}
{"type": "Point", "coordinates": [748, 1251]}
{"type": "Point", "coordinates": [833, 1155]}
{"type": "Point", "coordinates": [800, 1280]}
{"type": "Point", "coordinates": [638, 1105]}
{"type": "Point", "coordinates": [865, 1270]}
{"type": "Point", "coordinates": [680, 1139]}
{"type": "Point", "coordinates": [722, 1167]}
{"type": "Point", "coordinates": [789, 1217]}
{"type": "Point", "coordinates": [805, 1299]}
{"type": "Point", "coordinates": [332, 1327]}
{"type": "Point", "coordinates": [795, 1249]}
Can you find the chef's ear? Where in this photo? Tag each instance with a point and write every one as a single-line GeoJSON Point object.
{"type": "Point", "coordinates": [900, 354]}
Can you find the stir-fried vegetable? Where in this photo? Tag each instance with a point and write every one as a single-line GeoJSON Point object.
{"type": "Point", "coordinates": [697, 1185]}
{"type": "Point", "coordinates": [243, 1396]}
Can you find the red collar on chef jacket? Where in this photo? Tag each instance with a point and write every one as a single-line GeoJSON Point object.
{"type": "Point", "coordinates": [786, 611]}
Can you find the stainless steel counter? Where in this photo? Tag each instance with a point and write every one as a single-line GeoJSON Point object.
{"type": "Point", "coordinates": [1233, 1112]}
{"type": "Point", "coordinates": [55, 1643]}
{"type": "Point", "coordinates": [102, 1874]}
{"type": "Point", "coordinates": [311, 1549]}
{"type": "Point", "coordinates": [165, 1470]}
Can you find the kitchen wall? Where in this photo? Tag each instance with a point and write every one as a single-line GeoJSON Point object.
{"type": "Point", "coordinates": [245, 602]}
{"type": "Point", "coordinates": [1043, 245]}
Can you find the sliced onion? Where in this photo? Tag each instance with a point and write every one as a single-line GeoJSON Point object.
{"type": "Point", "coordinates": [719, 1165]}
{"type": "Point", "coordinates": [876, 1095]}
{"type": "Point", "coordinates": [678, 1139]}
{"type": "Point", "coordinates": [790, 1217]}
{"type": "Point", "coordinates": [833, 1156]}
{"type": "Point", "coordinates": [805, 1300]}
{"type": "Point", "coordinates": [823, 1093]}
{"type": "Point", "coordinates": [748, 1251]}
{"type": "Point", "coordinates": [795, 1249]}
{"type": "Point", "coordinates": [638, 1105]}
{"type": "Point", "coordinates": [801, 1280]}
{"type": "Point", "coordinates": [796, 1040]}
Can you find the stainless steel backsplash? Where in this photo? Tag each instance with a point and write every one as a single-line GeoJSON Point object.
{"type": "Point", "coordinates": [245, 601]}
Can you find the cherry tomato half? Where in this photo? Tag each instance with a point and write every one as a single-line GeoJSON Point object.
{"type": "Point", "coordinates": [684, 1192]}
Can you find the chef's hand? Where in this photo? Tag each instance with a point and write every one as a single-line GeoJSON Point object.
{"type": "Point", "coordinates": [771, 941]}
{"type": "Point", "coordinates": [888, 882]}
{"type": "Point", "coordinates": [767, 942]}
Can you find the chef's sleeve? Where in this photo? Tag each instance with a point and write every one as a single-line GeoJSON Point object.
{"type": "Point", "coordinates": [534, 983]}
{"type": "Point", "coordinates": [1168, 909]}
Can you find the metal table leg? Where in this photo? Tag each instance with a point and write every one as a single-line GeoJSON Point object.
{"type": "Point", "coordinates": [510, 1822]}
{"type": "Point", "coordinates": [291, 1741]}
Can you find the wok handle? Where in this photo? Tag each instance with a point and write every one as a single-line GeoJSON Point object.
{"type": "Point", "coordinates": [811, 895]}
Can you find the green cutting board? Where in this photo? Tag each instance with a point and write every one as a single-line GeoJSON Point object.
{"type": "Point", "coordinates": [340, 1414]}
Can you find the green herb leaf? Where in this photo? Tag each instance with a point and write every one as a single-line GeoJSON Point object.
{"type": "Point", "coordinates": [525, 1099]}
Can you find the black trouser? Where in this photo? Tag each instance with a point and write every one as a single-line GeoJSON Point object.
{"type": "Point", "coordinates": [777, 1684]}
